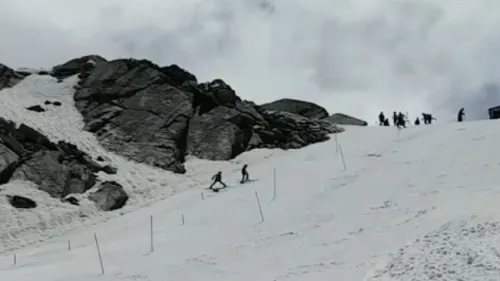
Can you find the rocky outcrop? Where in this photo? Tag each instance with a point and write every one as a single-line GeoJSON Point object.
{"type": "Point", "coordinates": [287, 130]}
{"type": "Point", "coordinates": [58, 169]}
{"type": "Point", "coordinates": [21, 202]}
{"type": "Point", "coordinates": [75, 66]}
{"type": "Point", "coordinates": [342, 119]}
{"type": "Point", "coordinates": [109, 196]}
{"type": "Point", "coordinates": [157, 115]}
{"type": "Point", "coordinates": [9, 77]}
{"type": "Point", "coordinates": [302, 108]}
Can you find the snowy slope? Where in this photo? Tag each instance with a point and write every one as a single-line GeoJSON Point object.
{"type": "Point", "coordinates": [418, 205]}
{"type": "Point", "coordinates": [143, 183]}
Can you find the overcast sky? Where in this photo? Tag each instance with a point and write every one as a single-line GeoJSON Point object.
{"type": "Point", "coordinates": [352, 56]}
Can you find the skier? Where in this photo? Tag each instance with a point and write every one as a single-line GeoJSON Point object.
{"type": "Point", "coordinates": [381, 118]}
{"type": "Point", "coordinates": [217, 178]}
{"type": "Point", "coordinates": [395, 118]}
{"type": "Point", "coordinates": [244, 174]}
{"type": "Point", "coordinates": [401, 122]}
{"type": "Point", "coordinates": [461, 114]}
{"type": "Point", "coordinates": [428, 118]}
{"type": "Point", "coordinates": [417, 122]}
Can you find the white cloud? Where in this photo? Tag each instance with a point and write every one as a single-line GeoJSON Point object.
{"type": "Point", "coordinates": [353, 56]}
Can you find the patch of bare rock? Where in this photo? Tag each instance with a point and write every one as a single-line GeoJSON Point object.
{"type": "Point", "coordinates": [58, 169]}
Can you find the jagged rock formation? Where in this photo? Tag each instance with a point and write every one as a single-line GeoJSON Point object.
{"type": "Point", "coordinates": [302, 108]}
{"type": "Point", "coordinates": [58, 169]}
{"type": "Point", "coordinates": [9, 77]}
{"type": "Point", "coordinates": [157, 115]}
{"type": "Point", "coordinates": [342, 119]}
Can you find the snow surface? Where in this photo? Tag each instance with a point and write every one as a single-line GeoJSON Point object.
{"type": "Point", "coordinates": [416, 204]}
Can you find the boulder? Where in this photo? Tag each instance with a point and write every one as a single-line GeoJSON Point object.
{"type": "Point", "coordinates": [72, 200]}
{"type": "Point", "coordinates": [9, 77]}
{"type": "Point", "coordinates": [36, 108]}
{"type": "Point", "coordinates": [109, 196]}
{"type": "Point", "coordinates": [58, 169]}
{"type": "Point", "coordinates": [21, 202]}
{"type": "Point", "coordinates": [342, 119]}
{"type": "Point", "coordinates": [110, 170]}
{"type": "Point", "coordinates": [302, 108]}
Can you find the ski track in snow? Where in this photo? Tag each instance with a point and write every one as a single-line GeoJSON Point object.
{"type": "Point", "coordinates": [413, 205]}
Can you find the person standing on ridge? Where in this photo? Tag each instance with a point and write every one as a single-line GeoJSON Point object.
{"type": "Point", "coordinates": [244, 174]}
{"type": "Point", "coordinates": [428, 118]}
{"type": "Point", "coordinates": [217, 178]}
{"type": "Point", "coordinates": [401, 122]}
{"type": "Point", "coordinates": [395, 118]}
{"type": "Point", "coordinates": [461, 114]}
{"type": "Point", "coordinates": [381, 118]}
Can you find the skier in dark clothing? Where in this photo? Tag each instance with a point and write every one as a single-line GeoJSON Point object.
{"type": "Point", "coordinates": [395, 118]}
{"type": "Point", "coordinates": [381, 118]}
{"type": "Point", "coordinates": [217, 178]}
{"type": "Point", "coordinates": [401, 122]}
{"type": "Point", "coordinates": [417, 122]}
{"type": "Point", "coordinates": [461, 114]}
{"type": "Point", "coordinates": [428, 118]}
{"type": "Point", "coordinates": [386, 122]}
{"type": "Point", "coordinates": [244, 174]}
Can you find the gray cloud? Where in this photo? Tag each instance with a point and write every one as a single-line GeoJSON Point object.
{"type": "Point", "coordinates": [352, 56]}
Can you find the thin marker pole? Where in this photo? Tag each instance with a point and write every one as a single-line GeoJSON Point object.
{"type": "Point", "coordinates": [260, 207]}
{"type": "Point", "coordinates": [151, 233]}
{"type": "Point", "coordinates": [99, 253]}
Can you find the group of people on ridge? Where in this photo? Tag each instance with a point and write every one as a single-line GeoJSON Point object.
{"type": "Point", "coordinates": [217, 178]}
{"type": "Point", "coordinates": [399, 119]}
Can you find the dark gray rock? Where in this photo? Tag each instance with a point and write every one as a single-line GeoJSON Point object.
{"type": "Point", "coordinates": [57, 103]}
{"type": "Point", "coordinates": [342, 119]}
{"type": "Point", "coordinates": [21, 202]}
{"type": "Point", "coordinates": [157, 115]}
{"type": "Point", "coordinates": [8, 162]}
{"type": "Point", "coordinates": [219, 134]}
{"type": "Point", "coordinates": [303, 108]}
{"type": "Point", "coordinates": [75, 66]}
{"type": "Point", "coordinates": [58, 169]}
{"type": "Point", "coordinates": [9, 78]}
{"type": "Point", "coordinates": [36, 108]}
{"type": "Point", "coordinates": [178, 75]}
{"type": "Point", "coordinates": [110, 170]}
{"type": "Point", "coordinates": [47, 102]}
{"type": "Point", "coordinates": [109, 196]}
{"type": "Point", "coordinates": [137, 115]}
{"type": "Point", "coordinates": [291, 131]}
{"type": "Point", "coordinates": [72, 200]}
